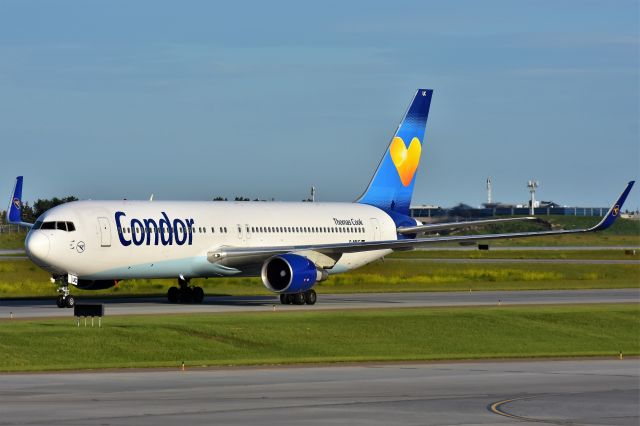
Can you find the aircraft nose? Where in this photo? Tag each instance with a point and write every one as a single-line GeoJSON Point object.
{"type": "Point", "coordinates": [37, 245]}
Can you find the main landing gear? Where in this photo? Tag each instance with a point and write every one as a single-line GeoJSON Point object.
{"type": "Point", "coordinates": [184, 293]}
{"type": "Point", "coordinates": [65, 300]}
{"type": "Point", "coordinates": [309, 297]}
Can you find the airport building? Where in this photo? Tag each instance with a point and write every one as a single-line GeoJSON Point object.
{"type": "Point", "coordinates": [463, 210]}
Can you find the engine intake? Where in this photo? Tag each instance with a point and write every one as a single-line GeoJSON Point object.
{"type": "Point", "coordinates": [290, 273]}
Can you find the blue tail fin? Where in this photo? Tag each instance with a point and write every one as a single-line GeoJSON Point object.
{"type": "Point", "coordinates": [391, 187]}
{"type": "Point", "coordinates": [14, 212]}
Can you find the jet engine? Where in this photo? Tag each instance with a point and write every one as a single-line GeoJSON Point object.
{"type": "Point", "coordinates": [290, 273]}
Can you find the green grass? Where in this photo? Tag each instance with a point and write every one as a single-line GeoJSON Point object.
{"type": "Point", "coordinates": [21, 278]}
{"type": "Point", "coordinates": [12, 240]}
{"type": "Point", "coordinates": [580, 240]}
{"type": "Point", "coordinates": [329, 336]}
{"type": "Point", "coordinates": [517, 254]}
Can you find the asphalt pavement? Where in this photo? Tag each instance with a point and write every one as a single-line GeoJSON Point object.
{"type": "Point", "coordinates": [34, 308]}
{"type": "Point", "coordinates": [580, 392]}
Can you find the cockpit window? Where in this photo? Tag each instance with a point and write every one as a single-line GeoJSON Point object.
{"type": "Point", "coordinates": [60, 226]}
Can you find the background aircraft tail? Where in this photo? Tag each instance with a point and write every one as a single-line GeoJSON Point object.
{"type": "Point", "coordinates": [14, 212]}
{"type": "Point", "coordinates": [391, 187]}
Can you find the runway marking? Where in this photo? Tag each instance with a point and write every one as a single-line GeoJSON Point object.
{"type": "Point", "coordinates": [496, 408]}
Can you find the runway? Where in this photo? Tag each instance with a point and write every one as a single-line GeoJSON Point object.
{"type": "Point", "coordinates": [528, 261]}
{"type": "Point", "coordinates": [586, 392]}
{"type": "Point", "coordinates": [158, 305]}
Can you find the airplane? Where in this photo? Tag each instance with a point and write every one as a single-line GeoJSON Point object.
{"type": "Point", "coordinates": [291, 245]}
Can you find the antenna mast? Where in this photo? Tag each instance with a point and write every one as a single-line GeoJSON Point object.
{"type": "Point", "coordinates": [532, 185]}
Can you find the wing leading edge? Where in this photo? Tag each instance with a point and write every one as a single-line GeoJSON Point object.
{"type": "Point", "coordinates": [235, 256]}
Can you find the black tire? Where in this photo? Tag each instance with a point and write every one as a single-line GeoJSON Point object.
{"type": "Point", "coordinates": [60, 301]}
{"type": "Point", "coordinates": [283, 299]}
{"type": "Point", "coordinates": [198, 295]}
{"type": "Point", "coordinates": [298, 299]}
{"type": "Point", "coordinates": [186, 295]}
{"type": "Point", "coordinates": [288, 299]}
{"type": "Point", "coordinates": [310, 297]}
{"type": "Point", "coordinates": [70, 301]}
{"type": "Point", "coordinates": [173, 295]}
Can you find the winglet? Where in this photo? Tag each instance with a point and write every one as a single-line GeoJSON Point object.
{"type": "Point", "coordinates": [614, 211]}
{"type": "Point", "coordinates": [14, 212]}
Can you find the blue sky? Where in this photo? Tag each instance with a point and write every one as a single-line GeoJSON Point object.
{"type": "Point", "coordinates": [190, 99]}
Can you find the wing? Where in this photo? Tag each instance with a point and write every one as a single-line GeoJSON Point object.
{"type": "Point", "coordinates": [326, 255]}
{"type": "Point", "coordinates": [422, 229]}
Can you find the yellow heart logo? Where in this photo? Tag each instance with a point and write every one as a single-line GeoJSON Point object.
{"type": "Point", "coordinates": [405, 160]}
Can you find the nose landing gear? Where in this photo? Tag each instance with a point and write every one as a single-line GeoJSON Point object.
{"type": "Point", "coordinates": [184, 293]}
{"type": "Point", "coordinates": [65, 300]}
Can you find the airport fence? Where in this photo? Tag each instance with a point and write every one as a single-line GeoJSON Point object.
{"type": "Point", "coordinates": [6, 229]}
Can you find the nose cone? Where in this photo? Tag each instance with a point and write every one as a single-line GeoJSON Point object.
{"type": "Point", "coordinates": [37, 246]}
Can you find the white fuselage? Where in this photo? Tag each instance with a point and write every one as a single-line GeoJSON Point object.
{"type": "Point", "coordinates": [115, 240]}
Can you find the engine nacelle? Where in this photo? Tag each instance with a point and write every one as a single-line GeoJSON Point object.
{"type": "Point", "coordinates": [96, 285]}
{"type": "Point", "coordinates": [290, 273]}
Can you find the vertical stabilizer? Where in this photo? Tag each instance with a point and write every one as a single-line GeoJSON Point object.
{"type": "Point", "coordinates": [14, 212]}
{"type": "Point", "coordinates": [391, 187]}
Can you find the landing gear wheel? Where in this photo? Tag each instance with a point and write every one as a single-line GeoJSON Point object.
{"type": "Point", "coordinates": [283, 299]}
{"type": "Point", "coordinates": [310, 297]}
{"type": "Point", "coordinates": [70, 301]}
{"type": "Point", "coordinates": [173, 295]}
{"type": "Point", "coordinates": [186, 295]}
{"type": "Point", "coordinates": [198, 295]}
{"type": "Point", "coordinates": [298, 299]}
{"type": "Point", "coordinates": [63, 289]}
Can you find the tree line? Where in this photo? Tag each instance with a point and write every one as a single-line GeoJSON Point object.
{"type": "Point", "coordinates": [31, 212]}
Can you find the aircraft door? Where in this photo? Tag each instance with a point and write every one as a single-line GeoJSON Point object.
{"type": "Point", "coordinates": [239, 229]}
{"type": "Point", "coordinates": [105, 232]}
{"type": "Point", "coordinates": [375, 226]}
